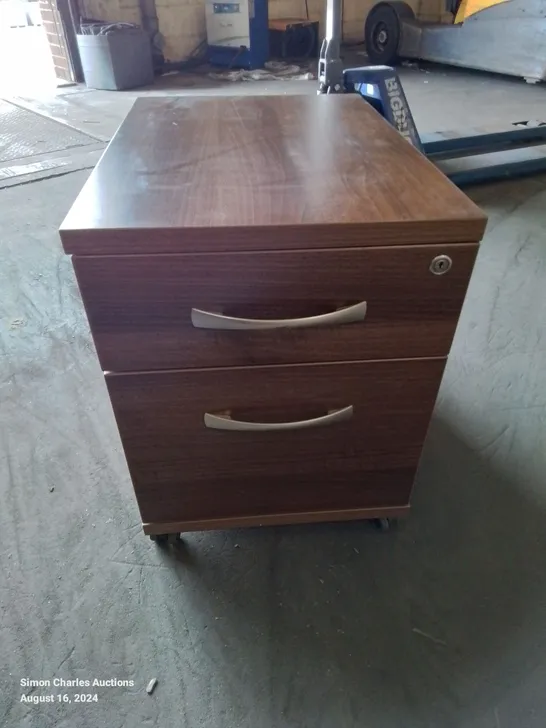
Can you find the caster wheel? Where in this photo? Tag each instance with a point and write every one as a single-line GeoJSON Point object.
{"type": "Point", "coordinates": [166, 539]}
{"type": "Point", "coordinates": [383, 524]}
{"type": "Point", "coordinates": [159, 538]}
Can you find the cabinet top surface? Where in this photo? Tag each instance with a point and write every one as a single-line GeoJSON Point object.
{"type": "Point", "coordinates": [204, 173]}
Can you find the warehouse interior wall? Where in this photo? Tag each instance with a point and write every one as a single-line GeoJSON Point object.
{"type": "Point", "coordinates": [182, 22]}
{"type": "Point", "coordinates": [113, 11]}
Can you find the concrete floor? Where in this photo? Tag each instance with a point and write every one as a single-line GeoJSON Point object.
{"type": "Point", "coordinates": [439, 624]}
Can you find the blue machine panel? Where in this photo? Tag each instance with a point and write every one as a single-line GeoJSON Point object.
{"type": "Point", "coordinates": [238, 33]}
{"type": "Point", "coordinates": [226, 8]}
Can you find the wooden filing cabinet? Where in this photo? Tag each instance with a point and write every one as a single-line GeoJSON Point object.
{"type": "Point", "coordinates": [273, 285]}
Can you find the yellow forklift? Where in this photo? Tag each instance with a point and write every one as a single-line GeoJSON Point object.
{"type": "Point", "coordinates": [502, 36]}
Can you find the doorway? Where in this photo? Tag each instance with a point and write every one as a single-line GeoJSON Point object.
{"type": "Point", "coordinates": [36, 52]}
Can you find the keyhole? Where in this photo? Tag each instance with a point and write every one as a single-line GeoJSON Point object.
{"type": "Point", "coordinates": [440, 265]}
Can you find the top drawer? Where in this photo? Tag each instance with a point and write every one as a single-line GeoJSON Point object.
{"type": "Point", "coordinates": [146, 312]}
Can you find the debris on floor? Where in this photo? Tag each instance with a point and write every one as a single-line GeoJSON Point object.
{"type": "Point", "coordinates": [273, 71]}
{"type": "Point", "coordinates": [150, 687]}
{"type": "Point", "coordinates": [16, 323]}
{"type": "Point", "coordinates": [429, 637]}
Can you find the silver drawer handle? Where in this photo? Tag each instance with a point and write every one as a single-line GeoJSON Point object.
{"type": "Point", "coordinates": [224, 422]}
{"type": "Point", "coordinates": [207, 320]}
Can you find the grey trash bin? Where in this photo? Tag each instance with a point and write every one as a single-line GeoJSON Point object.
{"type": "Point", "coordinates": [115, 60]}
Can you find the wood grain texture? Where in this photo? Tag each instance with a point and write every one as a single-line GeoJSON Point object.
{"type": "Point", "coordinates": [139, 307]}
{"type": "Point", "coordinates": [275, 519]}
{"type": "Point", "coordinates": [262, 173]}
{"type": "Point", "coordinates": [183, 471]}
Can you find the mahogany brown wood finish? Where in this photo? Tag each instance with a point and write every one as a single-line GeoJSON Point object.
{"type": "Point", "coordinates": [139, 307]}
{"type": "Point", "coordinates": [229, 474]}
{"type": "Point", "coordinates": [276, 519]}
{"type": "Point", "coordinates": [270, 208]}
{"type": "Point", "coordinates": [263, 172]}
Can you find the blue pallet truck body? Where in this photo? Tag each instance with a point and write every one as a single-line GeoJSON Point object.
{"type": "Point", "coordinates": [467, 158]}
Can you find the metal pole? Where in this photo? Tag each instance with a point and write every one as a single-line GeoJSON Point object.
{"type": "Point", "coordinates": [330, 69]}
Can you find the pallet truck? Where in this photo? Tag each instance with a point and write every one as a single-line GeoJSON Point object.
{"type": "Point", "coordinates": [470, 158]}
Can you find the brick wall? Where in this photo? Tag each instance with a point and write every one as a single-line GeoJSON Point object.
{"type": "Point", "coordinates": [52, 24]}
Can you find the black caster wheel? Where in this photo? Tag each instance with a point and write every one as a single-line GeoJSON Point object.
{"type": "Point", "coordinates": [159, 538]}
{"type": "Point", "coordinates": [166, 539]}
{"type": "Point", "coordinates": [383, 524]}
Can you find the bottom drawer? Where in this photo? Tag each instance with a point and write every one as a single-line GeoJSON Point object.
{"type": "Point", "coordinates": [298, 439]}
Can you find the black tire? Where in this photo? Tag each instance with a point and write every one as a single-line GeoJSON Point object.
{"type": "Point", "coordinates": [383, 32]}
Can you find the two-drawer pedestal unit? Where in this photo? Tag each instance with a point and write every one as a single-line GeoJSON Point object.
{"type": "Point", "coordinates": [272, 285]}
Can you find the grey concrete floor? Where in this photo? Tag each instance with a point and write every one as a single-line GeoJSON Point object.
{"type": "Point", "coordinates": [440, 97]}
{"type": "Point", "coordinates": [438, 624]}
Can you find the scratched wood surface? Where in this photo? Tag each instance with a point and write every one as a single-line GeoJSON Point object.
{"type": "Point", "coordinates": [264, 172]}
